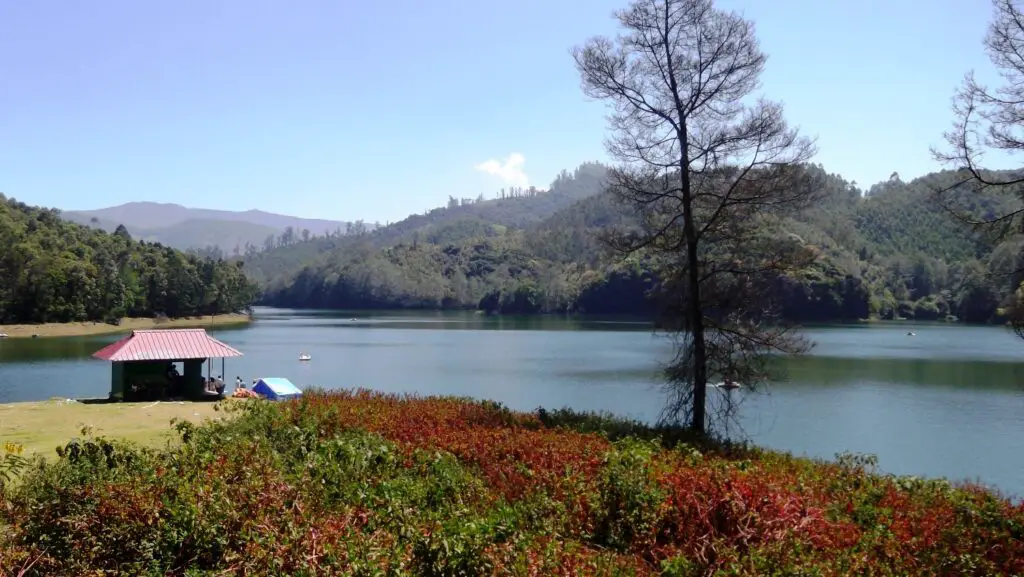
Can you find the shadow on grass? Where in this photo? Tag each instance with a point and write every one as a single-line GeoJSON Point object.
{"type": "Point", "coordinates": [108, 401]}
{"type": "Point", "coordinates": [615, 428]}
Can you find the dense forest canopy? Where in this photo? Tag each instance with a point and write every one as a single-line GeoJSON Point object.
{"type": "Point", "coordinates": [52, 270]}
{"type": "Point", "coordinates": [887, 252]}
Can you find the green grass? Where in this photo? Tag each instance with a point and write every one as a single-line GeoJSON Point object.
{"type": "Point", "coordinates": [40, 427]}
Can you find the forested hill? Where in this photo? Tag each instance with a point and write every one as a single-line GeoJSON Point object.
{"type": "Point", "coordinates": [52, 270]}
{"type": "Point", "coordinates": [460, 219]}
{"type": "Point", "coordinates": [888, 252]}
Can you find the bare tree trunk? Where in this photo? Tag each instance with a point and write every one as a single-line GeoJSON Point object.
{"type": "Point", "coordinates": [695, 324]}
{"type": "Point", "coordinates": [711, 176]}
{"type": "Point", "coordinates": [696, 312]}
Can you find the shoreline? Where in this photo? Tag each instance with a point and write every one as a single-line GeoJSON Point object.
{"type": "Point", "coordinates": [91, 328]}
{"type": "Point", "coordinates": [630, 317]}
{"type": "Point", "coordinates": [41, 426]}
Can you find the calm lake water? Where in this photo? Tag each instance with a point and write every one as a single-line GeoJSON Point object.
{"type": "Point", "coordinates": [948, 402]}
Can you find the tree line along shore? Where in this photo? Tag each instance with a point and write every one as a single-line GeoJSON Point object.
{"type": "Point", "coordinates": [888, 252]}
{"type": "Point", "coordinates": [55, 272]}
{"type": "Point", "coordinates": [88, 328]}
{"type": "Point", "coordinates": [885, 252]}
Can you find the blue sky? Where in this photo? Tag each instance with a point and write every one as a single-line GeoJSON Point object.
{"type": "Point", "coordinates": [374, 110]}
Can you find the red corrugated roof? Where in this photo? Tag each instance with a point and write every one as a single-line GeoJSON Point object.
{"type": "Point", "coordinates": [165, 345]}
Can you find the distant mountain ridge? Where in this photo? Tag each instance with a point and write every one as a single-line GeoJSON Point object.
{"type": "Point", "coordinates": [187, 228]}
{"type": "Point", "coordinates": [161, 214]}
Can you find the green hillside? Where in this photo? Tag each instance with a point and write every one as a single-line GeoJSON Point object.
{"type": "Point", "coordinates": [889, 252]}
{"type": "Point", "coordinates": [513, 210]}
{"type": "Point", "coordinates": [52, 270]}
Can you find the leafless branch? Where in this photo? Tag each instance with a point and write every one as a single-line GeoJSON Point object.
{"type": "Point", "coordinates": [986, 118]}
{"type": "Point", "coordinates": [990, 119]}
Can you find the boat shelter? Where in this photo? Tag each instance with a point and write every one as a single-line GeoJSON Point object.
{"type": "Point", "coordinates": [143, 364]}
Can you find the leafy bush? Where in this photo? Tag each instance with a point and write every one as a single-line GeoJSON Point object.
{"type": "Point", "coordinates": [361, 483]}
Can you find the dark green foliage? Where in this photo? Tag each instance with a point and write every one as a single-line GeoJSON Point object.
{"type": "Point", "coordinates": [890, 252]}
{"type": "Point", "coordinates": [52, 270]}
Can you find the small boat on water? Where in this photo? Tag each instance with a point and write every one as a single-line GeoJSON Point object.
{"type": "Point", "coordinates": [304, 357]}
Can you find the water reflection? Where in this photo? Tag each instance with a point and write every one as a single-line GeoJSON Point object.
{"type": "Point", "coordinates": [821, 371]}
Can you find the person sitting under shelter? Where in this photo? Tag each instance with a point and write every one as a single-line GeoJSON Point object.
{"type": "Point", "coordinates": [173, 380]}
{"type": "Point", "coordinates": [215, 385]}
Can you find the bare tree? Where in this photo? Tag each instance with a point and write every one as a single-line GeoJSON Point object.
{"type": "Point", "coordinates": [990, 120]}
{"type": "Point", "coordinates": [711, 172]}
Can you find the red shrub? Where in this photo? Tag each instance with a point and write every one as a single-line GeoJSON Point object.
{"type": "Point", "coordinates": [712, 512]}
{"type": "Point", "coordinates": [546, 502]}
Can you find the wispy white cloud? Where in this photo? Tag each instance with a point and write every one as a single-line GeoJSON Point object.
{"type": "Point", "coordinates": [510, 171]}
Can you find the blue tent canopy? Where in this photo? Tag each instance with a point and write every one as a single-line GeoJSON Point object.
{"type": "Point", "coordinates": [276, 389]}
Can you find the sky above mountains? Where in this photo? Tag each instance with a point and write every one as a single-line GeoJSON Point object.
{"type": "Point", "coordinates": [374, 110]}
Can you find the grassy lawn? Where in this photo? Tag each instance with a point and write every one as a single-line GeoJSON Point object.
{"type": "Point", "coordinates": [127, 325]}
{"type": "Point", "coordinates": [41, 426]}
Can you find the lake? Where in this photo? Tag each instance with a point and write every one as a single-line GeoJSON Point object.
{"type": "Point", "coordinates": [947, 402]}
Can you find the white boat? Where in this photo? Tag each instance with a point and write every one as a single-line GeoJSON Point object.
{"type": "Point", "coordinates": [304, 357]}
